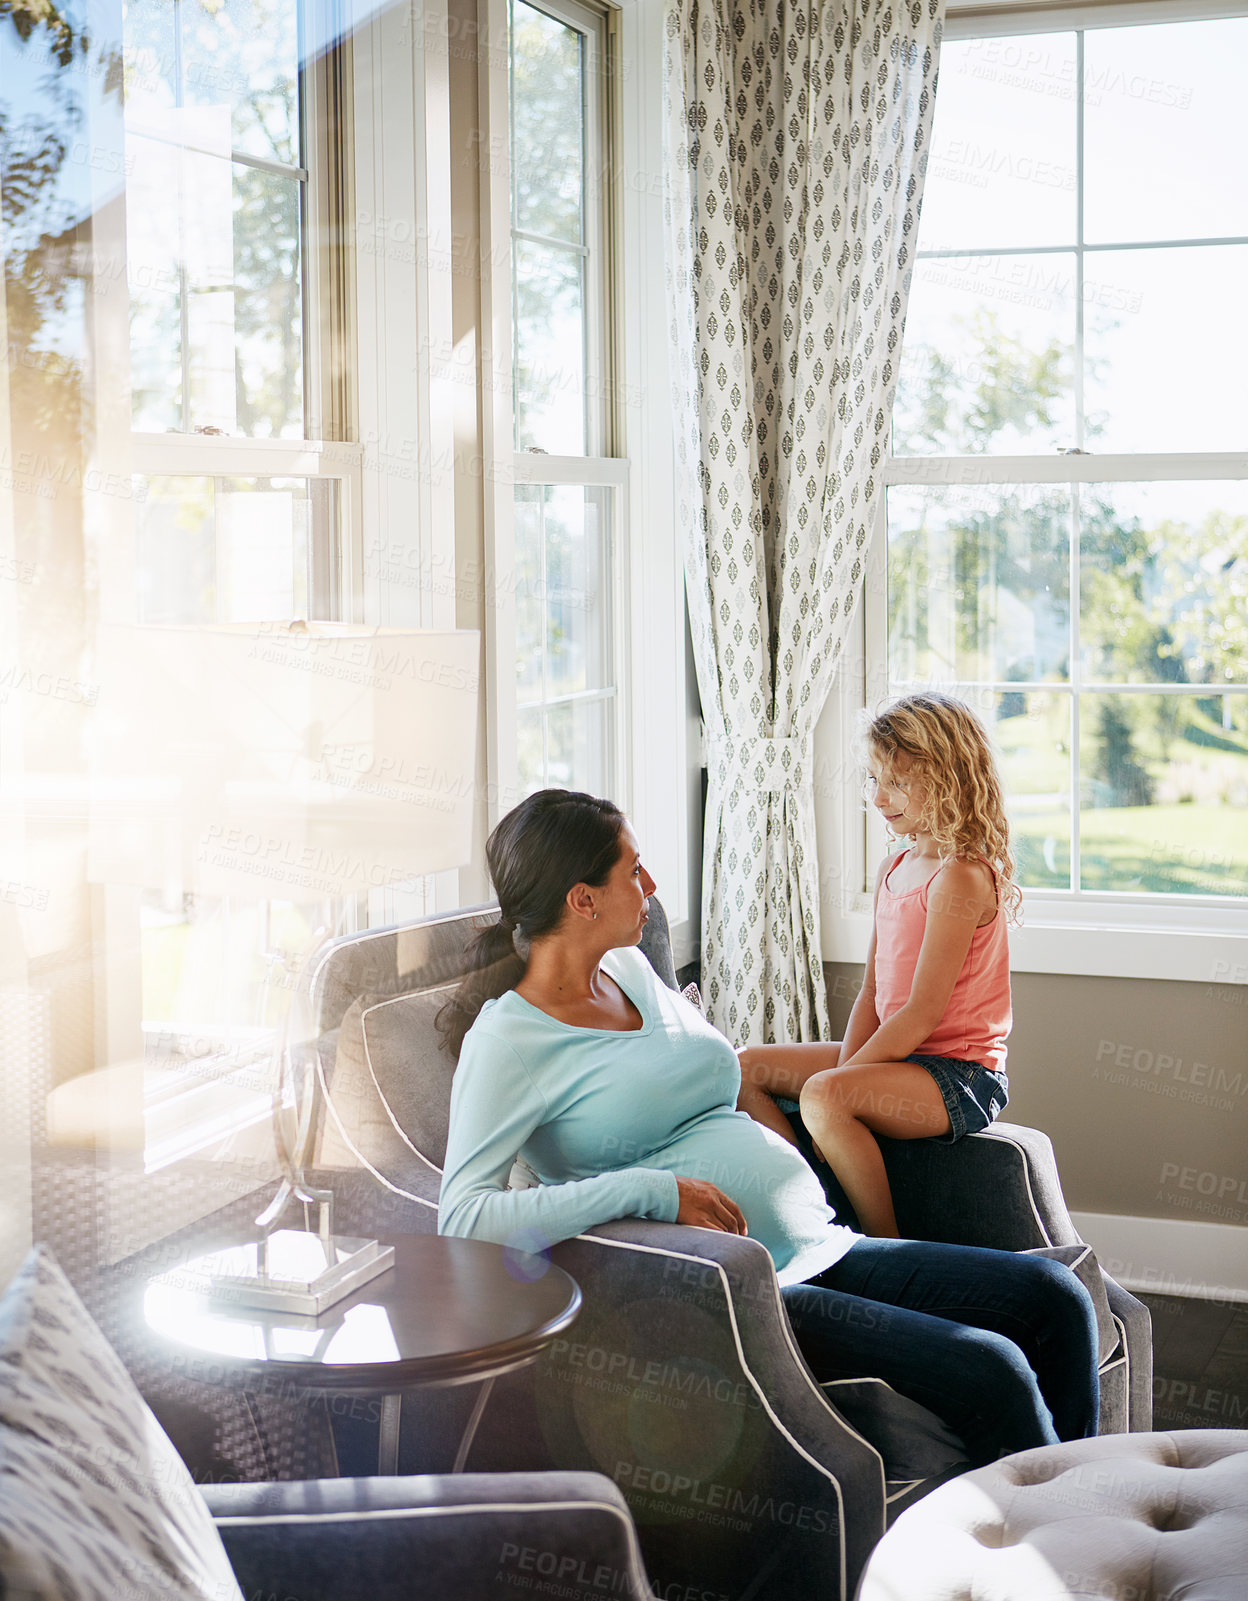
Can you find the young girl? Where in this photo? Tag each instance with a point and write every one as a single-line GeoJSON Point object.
{"type": "Point", "coordinates": [924, 1052]}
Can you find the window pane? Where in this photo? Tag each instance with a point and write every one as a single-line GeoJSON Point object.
{"type": "Point", "coordinates": [564, 645]}
{"type": "Point", "coordinates": [214, 246]}
{"type": "Point", "coordinates": [578, 746]}
{"type": "Point", "coordinates": [1164, 793]}
{"type": "Point", "coordinates": [240, 56]}
{"type": "Point", "coordinates": [987, 360]}
{"type": "Point", "coordinates": [1032, 733]}
{"type": "Point", "coordinates": [576, 597]}
{"type": "Point", "coordinates": [181, 272]}
{"type": "Point", "coordinates": [155, 285]}
{"type": "Point", "coordinates": [566, 746]}
{"type": "Point", "coordinates": [1164, 156]}
{"type": "Point", "coordinates": [266, 342]}
{"type": "Point", "coordinates": [530, 620]}
{"type": "Point", "coordinates": [244, 54]}
{"type": "Point", "coordinates": [1167, 347]}
{"type": "Point", "coordinates": [232, 549]}
{"type": "Point", "coordinates": [550, 348]}
{"type": "Point", "coordinates": [1164, 583]}
{"type": "Point", "coordinates": [207, 262]}
{"type": "Point", "coordinates": [978, 584]}
{"type": "Point", "coordinates": [531, 749]}
{"type": "Point", "coordinates": [1002, 171]}
{"type": "Point", "coordinates": [215, 259]}
{"type": "Point", "coordinates": [150, 47]}
{"type": "Point", "coordinates": [563, 602]}
{"type": "Point", "coordinates": [548, 125]}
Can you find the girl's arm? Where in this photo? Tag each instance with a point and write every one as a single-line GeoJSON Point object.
{"type": "Point", "coordinates": [495, 1106]}
{"type": "Point", "coordinates": [959, 896]}
{"type": "Point", "coordinates": [863, 1019]}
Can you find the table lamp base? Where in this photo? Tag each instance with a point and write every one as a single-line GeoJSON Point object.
{"type": "Point", "coordinates": [294, 1270]}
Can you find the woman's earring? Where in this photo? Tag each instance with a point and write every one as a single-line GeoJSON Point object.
{"type": "Point", "coordinates": [595, 917]}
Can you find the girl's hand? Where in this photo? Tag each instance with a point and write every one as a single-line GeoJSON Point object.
{"type": "Point", "coordinates": [707, 1207]}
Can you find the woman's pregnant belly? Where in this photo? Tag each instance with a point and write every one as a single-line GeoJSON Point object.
{"type": "Point", "coordinates": [783, 1202]}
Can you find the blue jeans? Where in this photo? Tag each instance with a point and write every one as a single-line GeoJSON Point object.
{"type": "Point", "coordinates": [1002, 1347]}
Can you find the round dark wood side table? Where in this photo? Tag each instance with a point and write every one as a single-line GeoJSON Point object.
{"type": "Point", "coordinates": [448, 1312]}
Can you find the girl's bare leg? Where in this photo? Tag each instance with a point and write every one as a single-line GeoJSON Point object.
{"type": "Point", "coordinates": [844, 1110]}
{"type": "Point", "coordinates": [771, 1070]}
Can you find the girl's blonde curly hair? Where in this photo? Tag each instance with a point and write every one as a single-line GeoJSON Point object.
{"type": "Point", "coordinates": [951, 753]}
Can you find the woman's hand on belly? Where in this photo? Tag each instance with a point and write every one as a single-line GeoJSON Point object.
{"type": "Point", "coordinates": [705, 1206]}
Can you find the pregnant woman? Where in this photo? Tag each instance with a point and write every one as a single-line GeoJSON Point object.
{"type": "Point", "coordinates": [573, 1055]}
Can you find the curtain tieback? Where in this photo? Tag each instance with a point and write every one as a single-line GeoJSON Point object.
{"type": "Point", "coordinates": [768, 766]}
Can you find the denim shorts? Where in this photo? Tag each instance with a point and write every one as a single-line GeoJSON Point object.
{"type": "Point", "coordinates": [973, 1095]}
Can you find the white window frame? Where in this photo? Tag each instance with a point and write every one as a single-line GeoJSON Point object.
{"type": "Point", "coordinates": [215, 1104]}
{"type": "Point", "coordinates": [658, 762]}
{"type": "Point", "coordinates": [512, 466]}
{"type": "Point", "coordinates": [1200, 939]}
{"type": "Point", "coordinates": [386, 101]}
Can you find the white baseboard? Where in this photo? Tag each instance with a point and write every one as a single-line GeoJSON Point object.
{"type": "Point", "coordinates": [1170, 1256]}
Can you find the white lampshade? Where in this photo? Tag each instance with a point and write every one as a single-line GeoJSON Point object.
{"type": "Point", "coordinates": [280, 761]}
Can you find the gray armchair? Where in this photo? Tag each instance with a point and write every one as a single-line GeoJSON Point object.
{"type": "Point", "coordinates": [468, 1538]}
{"type": "Point", "coordinates": [681, 1380]}
{"type": "Point", "coordinates": [1000, 1188]}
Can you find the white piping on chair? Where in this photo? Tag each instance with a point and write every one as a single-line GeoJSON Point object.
{"type": "Point", "coordinates": [364, 935]}
{"type": "Point", "coordinates": [381, 1095]}
{"type": "Point", "coordinates": [1126, 1359]}
{"type": "Point", "coordinates": [247, 1519]}
{"type": "Point", "coordinates": [685, 1256]}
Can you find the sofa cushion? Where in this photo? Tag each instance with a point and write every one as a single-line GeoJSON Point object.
{"type": "Point", "coordinates": [95, 1503]}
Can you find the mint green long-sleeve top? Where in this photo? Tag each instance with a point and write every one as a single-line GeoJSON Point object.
{"type": "Point", "coordinates": [609, 1120]}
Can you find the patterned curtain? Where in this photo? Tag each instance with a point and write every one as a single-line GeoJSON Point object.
{"type": "Point", "coordinates": [797, 141]}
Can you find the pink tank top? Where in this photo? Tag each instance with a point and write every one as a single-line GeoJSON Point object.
{"type": "Point", "coordinates": [977, 1019]}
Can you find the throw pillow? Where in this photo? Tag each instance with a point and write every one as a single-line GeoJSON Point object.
{"type": "Point", "coordinates": [389, 1069]}
{"type": "Point", "coordinates": [95, 1503]}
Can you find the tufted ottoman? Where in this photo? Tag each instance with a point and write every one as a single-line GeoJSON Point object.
{"type": "Point", "coordinates": [1123, 1517]}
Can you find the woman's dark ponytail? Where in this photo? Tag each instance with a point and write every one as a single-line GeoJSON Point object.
{"type": "Point", "coordinates": [494, 967]}
{"type": "Point", "coordinates": [551, 841]}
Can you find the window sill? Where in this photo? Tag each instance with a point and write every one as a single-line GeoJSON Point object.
{"type": "Point", "coordinates": [202, 1118]}
{"type": "Point", "coordinates": [164, 1115]}
{"type": "Point", "coordinates": [201, 1105]}
{"type": "Point", "coordinates": [1096, 941]}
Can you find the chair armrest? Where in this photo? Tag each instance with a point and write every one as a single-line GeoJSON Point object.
{"type": "Point", "coordinates": [682, 1380]}
{"type": "Point", "coordinates": [1137, 1347]}
{"type": "Point", "coordinates": [469, 1536]}
{"type": "Point", "coordinates": [997, 1188]}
